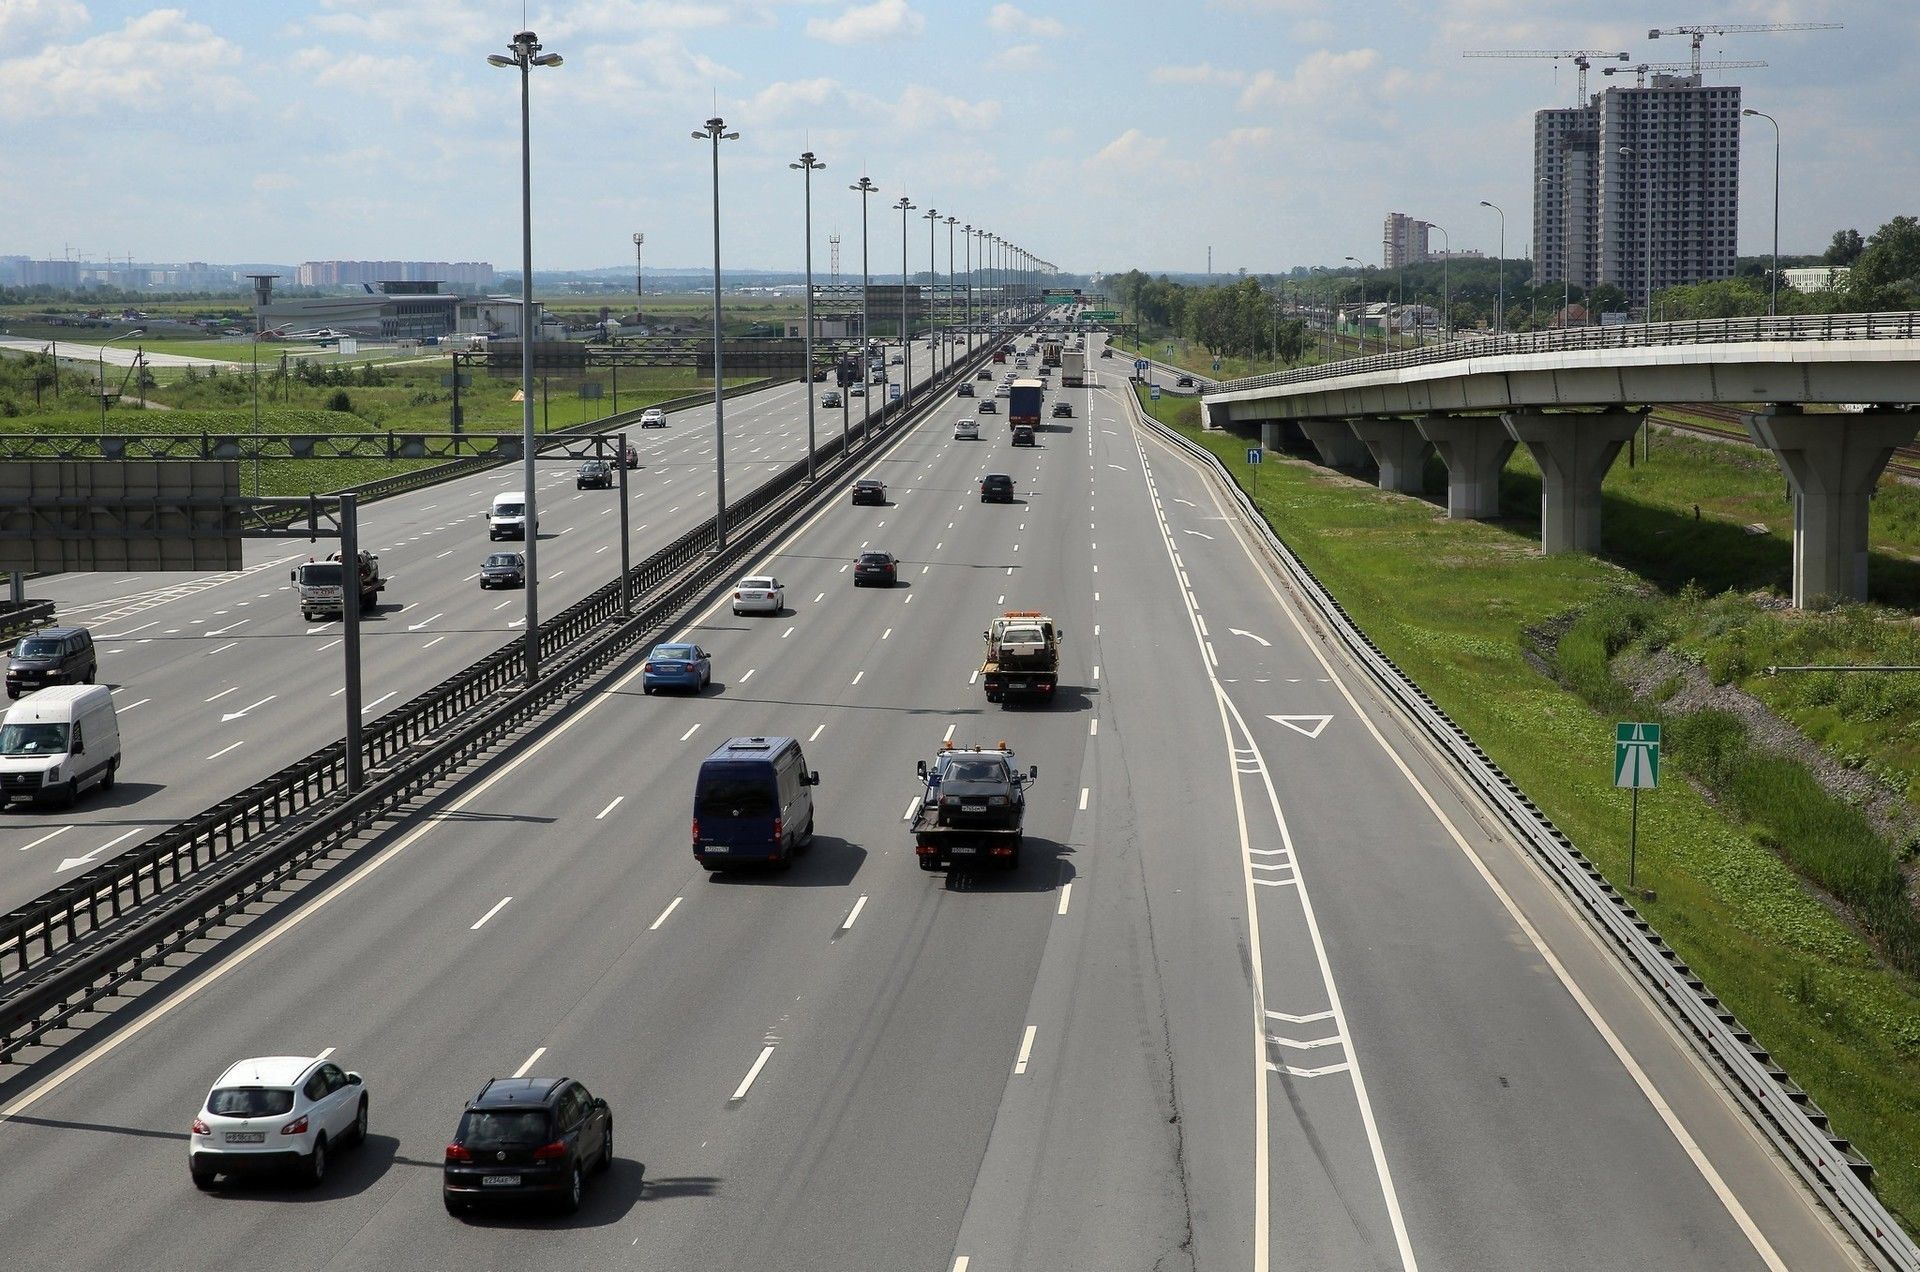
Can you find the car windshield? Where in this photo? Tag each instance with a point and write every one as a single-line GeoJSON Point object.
{"type": "Point", "coordinates": [722, 795]}
{"type": "Point", "coordinates": [672, 653]}
{"type": "Point", "coordinates": [31, 648]}
{"type": "Point", "coordinates": [320, 574]}
{"type": "Point", "coordinates": [503, 559]}
{"type": "Point", "coordinates": [502, 1128]}
{"type": "Point", "coordinates": [873, 558]}
{"type": "Point", "coordinates": [33, 739]}
{"type": "Point", "coordinates": [250, 1101]}
{"type": "Point", "coordinates": [759, 583]}
{"type": "Point", "coordinates": [976, 771]}
{"type": "Point", "coordinates": [509, 510]}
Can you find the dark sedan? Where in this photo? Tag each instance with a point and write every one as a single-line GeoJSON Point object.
{"type": "Point", "coordinates": [503, 569]}
{"type": "Point", "coordinates": [676, 666]}
{"type": "Point", "coordinates": [965, 389]}
{"type": "Point", "coordinates": [879, 569]}
{"type": "Point", "coordinates": [870, 490]}
{"type": "Point", "coordinates": [595, 474]}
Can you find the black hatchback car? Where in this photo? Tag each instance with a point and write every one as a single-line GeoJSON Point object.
{"type": "Point", "coordinates": [876, 569]}
{"type": "Point", "coordinates": [996, 488]}
{"type": "Point", "coordinates": [595, 474]}
{"type": "Point", "coordinates": [52, 656]}
{"type": "Point", "coordinates": [524, 1138]}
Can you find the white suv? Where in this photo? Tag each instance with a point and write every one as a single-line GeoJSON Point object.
{"type": "Point", "coordinates": [653, 417]}
{"type": "Point", "coordinates": [966, 429]}
{"type": "Point", "coordinates": [275, 1113]}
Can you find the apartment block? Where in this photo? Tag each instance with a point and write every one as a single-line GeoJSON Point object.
{"type": "Point", "coordinates": [1403, 241]}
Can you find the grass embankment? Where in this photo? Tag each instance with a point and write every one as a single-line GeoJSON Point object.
{"type": "Point", "coordinates": [1452, 602]}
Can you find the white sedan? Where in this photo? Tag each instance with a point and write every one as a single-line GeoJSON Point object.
{"type": "Point", "coordinates": [277, 1113]}
{"type": "Point", "coordinates": [759, 594]}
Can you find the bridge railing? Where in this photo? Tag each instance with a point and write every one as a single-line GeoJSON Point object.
{"type": "Point", "coordinates": [1703, 331]}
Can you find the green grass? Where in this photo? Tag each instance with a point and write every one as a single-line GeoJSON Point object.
{"type": "Point", "coordinates": [1451, 602]}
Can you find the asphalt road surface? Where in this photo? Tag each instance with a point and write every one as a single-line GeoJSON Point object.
{"type": "Point", "coordinates": [1263, 994]}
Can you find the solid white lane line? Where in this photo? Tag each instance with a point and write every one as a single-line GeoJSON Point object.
{"type": "Point", "coordinates": [43, 839]}
{"type": "Point", "coordinates": [740, 1092]}
{"type": "Point", "coordinates": [816, 733]}
{"type": "Point", "coordinates": [609, 808]}
{"type": "Point", "coordinates": [1026, 1050]}
{"type": "Point", "coordinates": [671, 907]}
{"type": "Point", "coordinates": [854, 913]}
{"type": "Point", "coordinates": [498, 906]}
{"type": "Point", "coordinates": [223, 750]}
{"type": "Point", "coordinates": [688, 733]}
{"type": "Point", "coordinates": [1084, 792]}
{"type": "Point", "coordinates": [532, 1060]}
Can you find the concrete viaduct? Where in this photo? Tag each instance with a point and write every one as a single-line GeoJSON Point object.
{"type": "Point", "coordinates": [1574, 397]}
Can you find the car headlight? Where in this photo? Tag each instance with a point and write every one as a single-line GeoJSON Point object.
{"type": "Point", "coordinates": [53, 776]}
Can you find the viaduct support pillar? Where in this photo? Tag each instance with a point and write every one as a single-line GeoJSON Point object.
{"type": "Point", "coordinates": [1281, 435]}
{"type": "Point", "coordinates": [1474, 448]}
{"type": "Point", "coordinates": [1399, 450]}
{"type": "Point", "coordinates": [1833, 463]}
{"type": "Point", "coordinates": [1335, 441]}
{"type": "Point", "coordinates": [1574, 450]}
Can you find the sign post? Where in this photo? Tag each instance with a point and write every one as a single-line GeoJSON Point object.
{"type": "Point", "coordinates": [1636, 766]}
{"type": "Point", "coordinates": [1253, 462]}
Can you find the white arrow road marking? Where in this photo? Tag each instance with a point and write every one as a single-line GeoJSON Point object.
{"type": "Point", "coordinates": [414, 627]}
{"type": "Point", "coordinates": [1187, 502]}
{"type": "Point", "coordinates": [235, 715]}
{"type": "Point", "coordinates": [1307, 1073]}
{"type": "Point", "coordinates": [1196, 532]}
{"type": "Point", "coordinates": [1300, 723]}
{"type": "Point", "coordinates": [1306, 1044]}
{"type": "Point", "coordinates": [1259, 640]}
{"type": "Point", "coordinates": [1300, 1020]}
{"type": "Point", "coordinates": [71, 862]}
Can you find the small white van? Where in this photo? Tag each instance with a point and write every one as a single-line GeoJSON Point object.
{"type": "Point", "coordinates": [507, 516]}
{"type": "Point", "coordinates": [57, 742]}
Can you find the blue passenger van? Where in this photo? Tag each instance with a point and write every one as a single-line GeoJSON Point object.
{"type": "Point", "coordinates": [753, 804]}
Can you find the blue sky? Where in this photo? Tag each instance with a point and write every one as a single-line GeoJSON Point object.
{"type": "Point", "coordinates": [1101, 135]}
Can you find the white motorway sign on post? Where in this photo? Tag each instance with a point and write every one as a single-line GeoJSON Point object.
{"type": "Point", "coordinates": [1636, 766]}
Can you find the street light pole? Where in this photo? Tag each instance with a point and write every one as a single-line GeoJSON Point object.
{"type": "Point", "coordinates": [524, 56]}
{"type": "Point", "coordinates": [808, 165]}
{"type": "Point", "coordinates": [906, 348]}
{"type": "Point", "coordinates": [1446, 280]}
{"type": "Point", "coordinates": [639, 282]}
{"type": "Point", "coordinates": [950, 285]}
{"type": "Point", "coordinates": [715, 131]}
{"type": "Point", "coordinates": [967, 232]}
{"type": "Point", "coordinates": [1363, 302]}
{"type": "Point", "coordinates": [932, 219]}
{"type": "Point", "coordinates": [1500, 310]}
{"type": "Point", "coordinates": [865, 188]}
{"type": "Point", "coordinates": [100, 353]}
{"type": "Point", "coordinates": [1773, 289]}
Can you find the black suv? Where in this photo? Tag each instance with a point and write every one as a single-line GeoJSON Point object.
{"type": "Point", "coordinates": [527, 1137]}
{"type": "Point", "coordinates": [881, 568]}
{"type": "Point", "coordinates": [1063, 410]}
{"type": "Point", "coordinates": [996, 488]}
{"type": "Point", "coordinates": [52, 656]}
{"type": "Point", "coordinates": [595, 474]}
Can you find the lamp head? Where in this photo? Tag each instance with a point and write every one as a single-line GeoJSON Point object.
{"type": "Point", "coordinates": [498, 59]}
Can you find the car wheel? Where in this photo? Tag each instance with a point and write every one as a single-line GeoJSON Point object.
{"type": "Point", "coordinates": [606, 1151]}
{"type": "Point", "coordinates": [806, 837]}
{"type": "Point", "coordinates": [113, 769]}
{"type": "Point", "coordinates": [647, 689]}
{"type": "Point", "coordinates": [91, 673]}
{"type": "Point", "coordinates": [576, 1185]}
{"type": "Point", "coordinates": [455, 1206]}
{"type": "Point", "coordinates": [202, 1178]}
{"type": "Point", "coordinates": [315, 1169]}
{"type": "Point", "coordinates": [72, 795]}
{"type": "Point", "coordinates": [360, 1123]}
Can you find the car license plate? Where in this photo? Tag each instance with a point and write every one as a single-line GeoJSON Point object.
{"type": "Point", "coordinates": [710, 849]}
{"type": "Point", "coordinates": [500, 1181]}
{"type": "Point", "coordinates": [973, 808]}
{"type": "Point", "coordinates": [964, 852]}
{"type": "Point", "coordinates": [246, 1137]}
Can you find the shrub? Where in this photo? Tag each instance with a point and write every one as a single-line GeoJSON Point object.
{"type": "Point", "coordinates": [340, 400]}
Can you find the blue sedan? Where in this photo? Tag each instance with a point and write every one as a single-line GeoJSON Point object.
{"type": "Point", "coordinates": [676, 667]}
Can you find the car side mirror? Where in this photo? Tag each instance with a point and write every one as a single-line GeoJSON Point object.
{"type": "Point", "coordinates": [79, 748]}
{"type": "Point", "coordinates": [1033, 774]}
{"type": "Point", "coordinates": [813, 779]}
{"type": "Point", "coordinates": [600, 1102]}
{"type": "Point", "coordinates": [354, 1079]}
{"type": "Point", "coordinates": [920, 767]}
{"type": "Point", "coordinates": [293, 576]}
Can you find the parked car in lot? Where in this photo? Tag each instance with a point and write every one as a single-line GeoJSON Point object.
{"type": "Point", "coordinates": [503, 569]}
{"type": "Point", "coordinates": [676, 665]}
{"type": "Point", "coordinates": [759, 594]}
{"type": "Point", "coordinates": [595, 474]}
{"type": "Point", "coordinates": [830, 398]}
{"type": "Point", "coordinates": [1063, 409]}
{"type": "Point", "coordinates": [1023, 435]}
{"type": "Point", "coordinates": [527, 1138]}
{"type": "Point", "coordinates": [276, 1113]}
{"type": "Point", "coordinates": [870, 490]}
{"type": "Point", "coordinates": [996, 488]}
{"type": "Point", "coordinates": [653, 417]}
{"type": "Point", "coordinates": [877, 569]}
{"type": "Point", "coordinates": [52, 656]}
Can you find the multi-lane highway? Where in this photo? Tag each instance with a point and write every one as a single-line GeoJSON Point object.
{"type": "Point", "coordinates": [1264, 993]}
{"type": "Point", "coordinates": [219, 682]}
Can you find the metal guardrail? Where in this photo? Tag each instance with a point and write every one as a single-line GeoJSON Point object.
{"type": "Point", "coordinates": [80, 943]}
{"type": "Point", "coordinates": [17, 620]}
{"type": "Point", "coordinates": [1705, 331]}
{"type": "Point", "coordinates": [1797, 1126]}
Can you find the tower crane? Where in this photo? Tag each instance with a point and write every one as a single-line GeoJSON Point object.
{"type": "Point", "coordinates": [1673, 68]}
{"type": "Point", "coordinates": [1698, 34]}
{"type": "Point", "coordinates": [1582, 58]}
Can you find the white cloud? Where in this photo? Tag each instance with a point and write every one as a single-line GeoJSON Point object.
{"type": "Point", "coordinates": [26, 21]}
{"type": "Point", "coordinates": [880, 20]}
{"type": "Point", "coordinates": [795, 102]}
{"type": "Point", "coordinates": [1203, 73]}
{"type": "Point", "coordinates": [155, 61]}
{"type": "Point", "coordinates": [1018, 57]}
{"type": "Point", "coordinates": [1007, 20]}
{"type": "Point", "coordinates": [1321, 76]}
{"type": "Point", "coordinates": [1132, 151]}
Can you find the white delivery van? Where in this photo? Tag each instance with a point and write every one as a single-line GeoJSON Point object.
{"type": "Point", "coordinates": [507, 517]}
{"type": "Point", "coordinates": [57, 742]}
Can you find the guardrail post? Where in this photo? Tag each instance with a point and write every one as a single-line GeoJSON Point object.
{"type": "Point", "coordinates": [350, 618]}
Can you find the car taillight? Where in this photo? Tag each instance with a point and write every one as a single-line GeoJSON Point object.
{"type": "Point", "coordinates": [458, 1153]}
{"type": "Point", "coordinates": [776, 830]}
{"type": "Point", "coordinates": [696, 830]}
{"type": "Point", "coordinates": [738, 595]}
{"type": "Point", "coordinates": [296, 1127]}
{"type": "Point", "coordinates": [646, 666]}
{"type": "Point", "coordinates": [200, 1128]}
{"type": "Point", "coordinates": [547, 1152]}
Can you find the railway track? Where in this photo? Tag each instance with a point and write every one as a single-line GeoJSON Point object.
{"type": "Point", "coordinates": [1728, 427]}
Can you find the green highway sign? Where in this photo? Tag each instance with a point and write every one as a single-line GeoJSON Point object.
{"type": "Point", "coordinates": [1636, 756]}
{"type": "Point", "coordinates": [1101, 315]}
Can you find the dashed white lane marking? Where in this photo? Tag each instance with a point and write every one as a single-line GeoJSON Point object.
{"type": "Point", "coordinates": [1093, 726]}
{"type": "Point", "coordinates": [854, 913]}
{"type": "Point", "coordinates": [43, 839]}
{"type": "Point", "coordinates": [223, 649]}
{"type": "Point", "coordinates": [1084, 792]}
{"type": "Point", "coordinates": [612, 804]}
{"type": "Point", "coordinates": [749, 675]}
{"type": "Point", "coordinates": [223, 750]}
{"type": "Point", "coordinates": [532, 1060]}
{"type": "Point", "coordinates": [223, 693]}
{"type": "Point", "coordinates": [948, 736]}
{"type": "Point", "coordinates": [498, 906]}
{"type": "Point", "coordinates": [857, 675]}
{"type": "Point", "coordinates": [746, 1083]}
{"type": "Point", "coordinates": [911, 805]}
{"type": "Point", "coordinates": [1096, 666]}
{"type": "Point", "coordinates": [1066, 893]}
{"type": "Point", "coordinates": [816, 733]}
{"type": "Point", "coordinates": [671, 907]}
{"type": "Point", "coordinates": [688, 733]}
{"type": "Point", "coordinates": [787, 633]}
{"type": "Point", "coordinates": [1026, 1050]}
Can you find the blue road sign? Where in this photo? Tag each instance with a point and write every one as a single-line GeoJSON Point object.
{"type": "Point", "coordinates": [1253, 454]}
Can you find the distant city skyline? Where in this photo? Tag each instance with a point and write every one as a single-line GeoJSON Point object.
{"type": "Point", "coordinates": [329, 129]}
